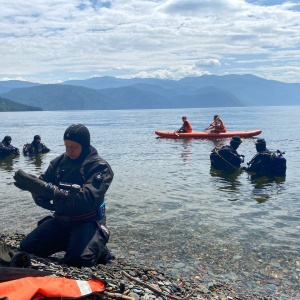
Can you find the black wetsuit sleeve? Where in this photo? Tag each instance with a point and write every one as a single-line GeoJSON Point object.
{"type": "Point", "coordinates": [48, 177]}
{"type": "Point", "coordinates": [90, 196]}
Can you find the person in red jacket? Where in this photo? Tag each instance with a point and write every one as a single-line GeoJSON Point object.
{"type": "Point", "coordinates": [186, 126]}
{"type": "Point", "coordinates": [217, 125]}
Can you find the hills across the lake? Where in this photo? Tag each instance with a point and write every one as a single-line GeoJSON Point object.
{"type": "Point", "coordinates": [108, 93]}
{"type": "Point", "coordinates": [8, 105]}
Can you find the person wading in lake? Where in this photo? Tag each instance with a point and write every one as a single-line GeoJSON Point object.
{"type": "Point", "coordinates": [217, 125]}
{"type": "Point", "coordinates": [186, 126]}
{"type": "Point", "coordinates": [73, 186]}
{"type": "Point", "coordinates": [35, 147]}
{"type": "Point", "coordinates": [227, 158]}
{"type": "Point", "coordinates": [266, 162]}
{"type": "Point", "coordinates": [6, 148]}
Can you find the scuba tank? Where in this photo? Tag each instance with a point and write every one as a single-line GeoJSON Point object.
{"type": "Point", "coordinates": [214, 158]}
{"type": "Point", "coordinates": [278, 164]}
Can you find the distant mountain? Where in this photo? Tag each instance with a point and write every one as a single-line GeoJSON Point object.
{"type": "Point", "coordinates": [6, 86]}
{"type": "Point", "coordinates": [250, 89]}
{"type": "Point", "coordinates": [142, 93]}
{"type": "Point", "coordinates": [58, 97]}
{"type": "Point", "coordinates": [8, 105]}
{"type": "Point", "coordinates": [105, 82]}
{"type": "Point", "coordinates": [129, 97]}
{"type": "Point", "coordinates": [137, 96]}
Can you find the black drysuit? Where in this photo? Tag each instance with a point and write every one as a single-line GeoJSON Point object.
{"type": "Point", "coordinates": [225, 158]}
{"type": "Point", "coordinates": [35, 148]}
{"type": "Point", "coordinates": [261, 163]}
{"type": "Point", "coordinates": [78, 224]}
{"type": "Point", "coordinates": [7, 149]}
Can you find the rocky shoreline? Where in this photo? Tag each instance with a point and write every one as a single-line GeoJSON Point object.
{"type": "Point", "coordinates": [140, 281]}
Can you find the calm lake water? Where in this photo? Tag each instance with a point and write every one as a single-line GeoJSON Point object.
{"type": "Point", "coordinates": [165, 204]}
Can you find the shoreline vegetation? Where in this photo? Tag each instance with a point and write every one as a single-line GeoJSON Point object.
{"type": "Point", "coordinates": [128, 278]}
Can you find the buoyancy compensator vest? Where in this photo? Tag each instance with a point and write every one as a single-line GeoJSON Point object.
{"type": "Point", "coordinates": [225, 159]}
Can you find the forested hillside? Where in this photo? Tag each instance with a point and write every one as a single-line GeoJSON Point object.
{"type": "Point", "coordinates": [8, 105]}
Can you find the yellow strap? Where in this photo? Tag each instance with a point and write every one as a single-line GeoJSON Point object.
{"type": "Point", "coordinates": [226, 160]}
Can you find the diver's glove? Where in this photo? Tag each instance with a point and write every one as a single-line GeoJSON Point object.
{"type": "Point", "coordinates": [16, 151]}
{"type": "Point", "coordinates": [10, 258]}
{"type": "Point", "coordinates": [34, 185]}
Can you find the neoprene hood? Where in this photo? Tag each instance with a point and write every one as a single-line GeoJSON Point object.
{"type": "Point", "coordinates": [78, 133]}
{"type": "Point", "coordinates": [236, 139]}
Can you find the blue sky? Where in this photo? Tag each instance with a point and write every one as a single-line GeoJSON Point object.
{"type": "Point", "coordinates": [53, 41]}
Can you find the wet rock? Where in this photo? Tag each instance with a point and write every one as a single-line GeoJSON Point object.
{"type": "Point", "coordinates": [134, 295]}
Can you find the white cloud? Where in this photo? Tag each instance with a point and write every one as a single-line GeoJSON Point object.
{"type": "Point", "coordinates": [14, 78]}
{"type": "Point", "coordinates": [208, 62]}
{"type": "Point", "coordinates": [55, 40]}
{"type": "Point", "coordinates": [186, 71]}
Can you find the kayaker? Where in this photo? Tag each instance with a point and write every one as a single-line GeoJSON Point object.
{"type": "Point", "coordinates": [35, 147]}
{"type": "Point", "coordinates": [186, 126]}
{"type": "Point", "coordinates": [227, 158]}
{"type": "Point", "coordinates": [73, 187]}
{"type": "Point", "coordinates": [217, 125]}
{"type": "Point", "coordinates": [266, 162]}
{"type": "Point", "coordinates": [6, 148]}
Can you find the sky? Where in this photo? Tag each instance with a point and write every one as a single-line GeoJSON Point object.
{"type": "Point", "coordinates": [53, 41]}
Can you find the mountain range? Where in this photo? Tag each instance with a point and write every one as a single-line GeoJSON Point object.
{"type": "Point", "coordinates": [100, 93]}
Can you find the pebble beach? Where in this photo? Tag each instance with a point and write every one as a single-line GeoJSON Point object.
{"type": "Point", "coordinates": [142, 280]}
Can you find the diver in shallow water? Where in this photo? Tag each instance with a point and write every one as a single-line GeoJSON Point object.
{"type": "Point", "coordinates": [35, 147]}
{"type": "Point", "coordinates": [6, 148]}
{"type": "Point", "coordinates": [266, 162]}
{"type": "Point", "coordinates": [227, 158]}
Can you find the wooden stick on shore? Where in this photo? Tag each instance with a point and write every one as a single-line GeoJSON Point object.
{"type": "Point", "coordinates": [155, 289]}
{"type": "Point", "coordinates": [116, 296]}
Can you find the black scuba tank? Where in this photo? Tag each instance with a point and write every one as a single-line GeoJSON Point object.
{"type": "Point", "coordinates": [278, 164]}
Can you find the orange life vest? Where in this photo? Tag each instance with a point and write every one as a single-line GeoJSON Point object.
{"type": "Point", "coordinates": [187, 126]}
{"type": "Point", "coordinates": [219, 126]}
{"type": "Point", "coordinates": [35, 288]}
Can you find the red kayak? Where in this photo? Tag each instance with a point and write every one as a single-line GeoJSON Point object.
{"type": "Point", "coordinates": [207, 135]}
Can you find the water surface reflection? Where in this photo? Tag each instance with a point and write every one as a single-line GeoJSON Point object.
{"type": "Point", "coordinates": [264, 187]}
{"type": "Point", "coordinates": [7, 163]}
{"type": "Point", "coordinates": [227, 181]}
